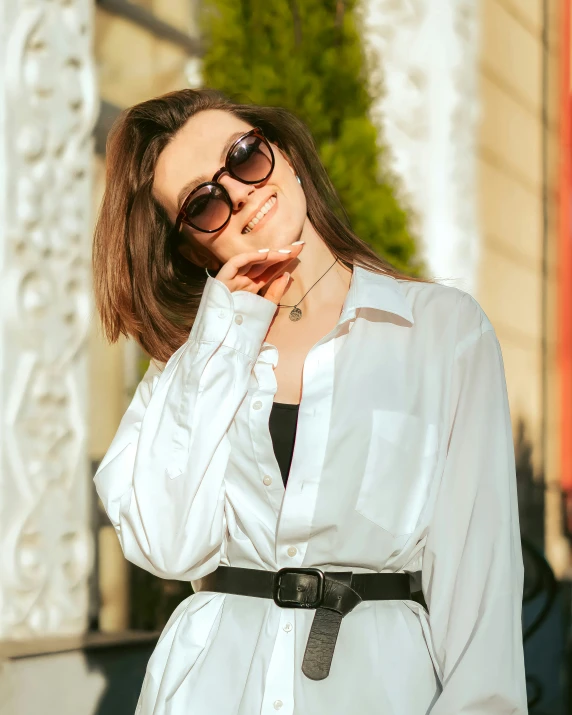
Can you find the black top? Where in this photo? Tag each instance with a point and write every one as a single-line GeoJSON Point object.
{"type": "Point", "coordinates": [282, 424]}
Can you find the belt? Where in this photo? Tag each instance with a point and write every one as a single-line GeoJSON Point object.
{"type": "Point", "coordinates": [332, 593]}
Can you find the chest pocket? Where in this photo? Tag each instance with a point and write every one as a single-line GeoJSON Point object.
{"type": "Point", "coordinates": [400, 464]}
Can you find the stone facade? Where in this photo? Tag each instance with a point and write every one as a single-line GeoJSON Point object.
{"type": "Point", "coordinates": [48, 105]}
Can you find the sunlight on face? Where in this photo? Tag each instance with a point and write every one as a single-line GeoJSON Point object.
{"type": "Point", "coordinates": [195, 153]}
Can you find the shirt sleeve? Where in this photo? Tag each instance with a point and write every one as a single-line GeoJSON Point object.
{"type": "Point", "coordinates": [161, 481]}
{"type": "Point", "coordinates": [473, 570]}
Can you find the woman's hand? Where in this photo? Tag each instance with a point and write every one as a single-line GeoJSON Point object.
{"type": "Point", "coordinates": [253, 270]}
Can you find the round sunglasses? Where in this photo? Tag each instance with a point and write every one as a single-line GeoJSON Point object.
{"type": "Point", "coordinates": [208, 207]}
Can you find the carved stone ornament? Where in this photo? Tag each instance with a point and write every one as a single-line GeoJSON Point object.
{"type": "Point", "coordinates": [424, 55]}
{"type": "Point", "coordinates": [47, 109]}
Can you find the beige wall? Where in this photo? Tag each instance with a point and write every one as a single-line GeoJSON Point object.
{"type": "Point", "coordinates": [132, 66]}
{"type": "Point", "coordinates": [511, 215]}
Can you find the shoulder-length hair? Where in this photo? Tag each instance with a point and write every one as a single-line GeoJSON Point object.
{"type": "Point", "coordinates": [143, 286]}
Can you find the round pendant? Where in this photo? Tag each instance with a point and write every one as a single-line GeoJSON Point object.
{"type": "Point", "coordinates": [295, 314]}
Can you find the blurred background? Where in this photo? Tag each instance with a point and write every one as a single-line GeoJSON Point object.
{"type": "Point", "coordinates": [446, 128]}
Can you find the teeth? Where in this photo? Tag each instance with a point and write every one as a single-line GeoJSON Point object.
{"type": "Point", "coordinates": [260, 215]}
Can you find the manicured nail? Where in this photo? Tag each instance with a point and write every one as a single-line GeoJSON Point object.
{"type": "Point", "coordinates": [297, 243]}
{"type": "Point", "coordinates": [287, 276]}
{"type": "Point", "coordinates": [284, 250]}
{"type": "Point", "coordinates": [263, 250]}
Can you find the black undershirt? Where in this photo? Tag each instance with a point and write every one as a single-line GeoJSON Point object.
{"type": "Point", "coordinates": [282, 424]}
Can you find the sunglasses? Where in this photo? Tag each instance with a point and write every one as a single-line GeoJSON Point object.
{"type": "Point", "coordinates": [208, 207]}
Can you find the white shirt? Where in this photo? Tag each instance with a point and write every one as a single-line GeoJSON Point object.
{"type": "Point", "coordinates": [403, 461]}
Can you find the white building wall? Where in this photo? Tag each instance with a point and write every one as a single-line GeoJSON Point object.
{"type": "Point", "coordinates": [48, 102]}
{"type": "Point", "coordinates": [424, 54]}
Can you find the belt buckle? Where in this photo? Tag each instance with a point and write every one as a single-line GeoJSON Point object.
{"type": "Point", "coordinates": [296, 604]}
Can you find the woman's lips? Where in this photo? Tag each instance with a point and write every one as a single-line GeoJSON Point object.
{"type": "Point", "coordinates": [263, 220]}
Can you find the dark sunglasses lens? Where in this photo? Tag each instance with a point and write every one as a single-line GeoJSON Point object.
{"type": "Point", "coordinates": [251, 160]}
{"type": "Point", "coordinates": [208, 210]}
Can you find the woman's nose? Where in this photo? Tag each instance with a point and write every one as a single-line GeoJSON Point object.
{"type": "Point", "coordinates": [237, 191]}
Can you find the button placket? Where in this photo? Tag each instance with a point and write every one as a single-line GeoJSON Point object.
{"type": "Point", "coordinates": [309, 455]}
{"type": "Point", "coordinates": [279, 687]}
{"type": "Point", "coordinates": [261, 403]}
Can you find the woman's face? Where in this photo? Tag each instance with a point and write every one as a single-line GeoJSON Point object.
{"type": "Point", "coordinates": [197, 152]}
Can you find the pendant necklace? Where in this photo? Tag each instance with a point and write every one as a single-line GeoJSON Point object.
{"type": "Point", "coordinates": [296, 313]}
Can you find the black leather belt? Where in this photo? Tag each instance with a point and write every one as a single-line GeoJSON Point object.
{"type": "Point", "coordinates": [332, 593]}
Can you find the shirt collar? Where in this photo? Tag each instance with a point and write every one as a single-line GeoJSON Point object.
{"type": "Point", "coordinates": [375, 290]}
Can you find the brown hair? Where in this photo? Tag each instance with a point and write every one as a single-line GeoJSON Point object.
{"type": "Point", "coordinates": [143, 286]}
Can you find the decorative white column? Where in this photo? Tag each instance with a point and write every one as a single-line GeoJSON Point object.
{"type": "Point", "coordinates": [48, 102]}
{"type": "Point", "coordinates": [424, 52]}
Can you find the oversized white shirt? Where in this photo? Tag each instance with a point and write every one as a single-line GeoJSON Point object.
{"type": "Point", "coordinates": [403, 462]}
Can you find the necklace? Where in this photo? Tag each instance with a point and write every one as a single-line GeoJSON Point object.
{"type": "Point", "coordinates": [296, 313]}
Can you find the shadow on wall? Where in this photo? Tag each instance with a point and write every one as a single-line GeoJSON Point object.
{"type": "Point", "coordinates": [531, 489]}
{"type": "Point", "coordinates": [546, 602]}
{"type": "Point", "coordinates": [123, 668]}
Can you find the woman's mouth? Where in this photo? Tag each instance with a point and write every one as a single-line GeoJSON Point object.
{"type": "Point", "coordinates": [264, 212]}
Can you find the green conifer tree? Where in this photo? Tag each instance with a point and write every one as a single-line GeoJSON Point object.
{"type": "Point", "coordinates": [307, 56]}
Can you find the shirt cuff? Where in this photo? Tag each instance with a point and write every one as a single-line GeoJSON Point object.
{"type": "Point", "coordinates": [236, 319]}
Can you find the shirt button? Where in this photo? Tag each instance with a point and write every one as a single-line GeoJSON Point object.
{"type": "Point", "coordinates": [278, 704]}
{"type": "Point", "coordinates": [238, 319]}
{"type": "Point", "coordinates": [257, 405]}
{"type": "Point", "coordinates": [288, 627]}
{"type": "Point", "coordinates": [267, 480]}
{"type": "Point", "coordinates": [292, 551]}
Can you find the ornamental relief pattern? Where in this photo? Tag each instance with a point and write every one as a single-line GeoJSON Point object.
{"type": "Point", "coordinates": [49, 107]}
{"type": "Point", "coordinates": [424, 55]}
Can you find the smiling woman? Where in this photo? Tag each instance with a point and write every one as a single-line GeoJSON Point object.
{"type": "Point", "coordinates": [397, 472]}
{"type": "Point", "coordinates": [148, 275]}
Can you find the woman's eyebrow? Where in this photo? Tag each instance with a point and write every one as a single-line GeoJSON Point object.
{"type": "Point", "coordinates": [190, 185]}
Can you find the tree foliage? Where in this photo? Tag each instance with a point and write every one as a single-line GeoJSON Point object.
{"type": "Point", "coordinates": [307, 56]}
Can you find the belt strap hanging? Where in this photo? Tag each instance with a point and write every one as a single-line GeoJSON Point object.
{"type": "Point", "coordinates": [332, 594]}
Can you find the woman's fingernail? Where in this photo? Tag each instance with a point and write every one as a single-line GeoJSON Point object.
{"type": "Point", "coordinates": [297, 243]}
{"type": "Point", "coordinates": [287, 276]}
{"type": "Point", "coordinates": [263, 250]}
{"type": "Point", "coordinates": [284, 250]}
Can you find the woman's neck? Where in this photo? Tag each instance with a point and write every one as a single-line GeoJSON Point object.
{"type": "Point", "coordinates": [316, 263]}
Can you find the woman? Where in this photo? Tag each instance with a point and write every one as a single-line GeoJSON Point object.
{"type": "Point", "coordinates": [222, 249]}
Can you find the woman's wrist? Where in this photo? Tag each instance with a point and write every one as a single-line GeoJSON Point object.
{"type": "Point", "coordinates": [238, 319]}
